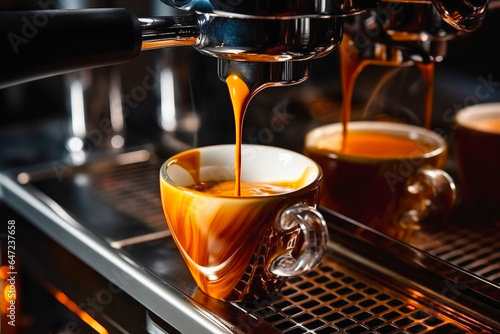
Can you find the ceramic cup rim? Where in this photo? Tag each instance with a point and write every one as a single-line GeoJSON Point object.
{"type": "Point", "coordinates": [438, 142]}
{"type": "Point", "coordinates": [475, 112]}
{"type": "Point", "coordinates": [312, 182]}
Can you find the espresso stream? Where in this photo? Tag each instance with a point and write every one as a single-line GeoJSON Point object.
{"type": "Point", "coordinates": [221, 237]}
{"type": "Point", "coordinates": [240, 97]}
{"type": "Point", "coordinates": [356, 163]}
{"type": "Point", "coordinates": [351, 66]}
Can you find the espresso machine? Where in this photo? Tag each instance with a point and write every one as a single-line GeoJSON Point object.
{"type": "Point", "coordinates": [122, 93]}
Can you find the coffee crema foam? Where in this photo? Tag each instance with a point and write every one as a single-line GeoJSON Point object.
{"type": "Point", "coordinates": [491, 124]}
{"type": "Point", "coordinates": [373, 144]}
{"type": "Point", "coordinates": [247, 189]}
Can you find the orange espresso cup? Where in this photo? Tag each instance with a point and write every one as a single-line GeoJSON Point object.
{"type": "Point", "coordinates": [244, 247]}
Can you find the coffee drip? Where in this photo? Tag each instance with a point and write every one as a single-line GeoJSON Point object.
{"type": "Point", "coordinates": [240, 98]}
{"type": "Point", "coordinates": [240, 93]}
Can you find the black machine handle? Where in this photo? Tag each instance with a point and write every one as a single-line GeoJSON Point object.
{"type": "Point", "coordinates": [38, 44]}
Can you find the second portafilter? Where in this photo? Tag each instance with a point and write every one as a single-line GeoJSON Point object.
{"type": "Point", "coordinates": [413, 30]}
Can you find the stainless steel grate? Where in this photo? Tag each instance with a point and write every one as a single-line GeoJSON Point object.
{"type": "Point", "coordinates": [132, 189]}
{"type": "Point", "coordinates": [476, 250]}
{"type": "Point", "coordinates": [331, 299]}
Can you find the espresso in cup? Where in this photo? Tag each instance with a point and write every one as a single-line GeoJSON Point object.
{"type": "Point", "coordinates": [244, 247]}
{"type": "Point", "coordinates": [385, 175]}
{"type": "Point", "coordinates": [477, 156]}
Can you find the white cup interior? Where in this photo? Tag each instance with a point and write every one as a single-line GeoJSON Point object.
{"type": "Point", "coordinates": [258, 164]}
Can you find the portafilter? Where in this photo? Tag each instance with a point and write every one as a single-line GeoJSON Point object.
{"type": "Point", "coordinates": [42, 43]}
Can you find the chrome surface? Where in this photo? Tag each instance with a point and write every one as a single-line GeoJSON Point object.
{"type": "Point", "coordinates": [276, 8]}
{"type": "Point", "coordinates": [258, 76]}
{"type": "Point", "coordinates": [463, 14]}
{"type": "Point", "coordinates": [333, 298]}
{"type": "Point", "coordinates": [266, 40]}
{"type": "Point", "coordinates": [107, 213]}
{"type": "Point", "coordinates": [163, 31]}
{"type": "Point", "coordinates": [416, 30]}
{"type": "Point", "coordinates": [94, 250]}
{"type": "Point", "coordinates": [295, 30]}
{"type": "Point", "coordinates": [474, 249]}
{"type": "Point", "coordinates": [96, 117]}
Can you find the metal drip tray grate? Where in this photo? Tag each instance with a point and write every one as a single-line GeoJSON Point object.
{"type": "Point", "coordinates": [330, 299]}
{"type": "Point", "coordinates": [132, 189]}
{"type": "Point", "coordinates": [477, 250]}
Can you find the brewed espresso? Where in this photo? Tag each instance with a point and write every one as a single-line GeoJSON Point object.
{"type": "Point", "coordinates": [247, 189]}
{"type": "Point", "coordinates": [487, 124]}
{"type": "Point", "coordinates": [228, 240]}
{"type": "Point", "coordinates": [224, 233]}
{"type": "Point", "coordinates": [364, 178]}
{"type": "Point", "coordinates": [373, 144]}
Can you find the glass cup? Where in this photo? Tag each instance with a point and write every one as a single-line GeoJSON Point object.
{"type": "Point", "coordinates": [476, 144]}
{"type": "Point", "coordinates": [244, 247]}
{"type": "Point", "coordinates": [385, 175]}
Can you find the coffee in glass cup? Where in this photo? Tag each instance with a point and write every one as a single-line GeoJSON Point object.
{"type": "Point", "coordinates": [476, 144]}
{"type": "Point", "coordinates": [244, 247]}
{"type": "Point", "coordinates": [385, 175]}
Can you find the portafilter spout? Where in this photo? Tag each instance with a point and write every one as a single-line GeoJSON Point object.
{"type": "Point", "coordinates": [260, 75]}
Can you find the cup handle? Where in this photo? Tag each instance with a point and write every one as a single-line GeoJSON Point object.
{"type": "Point", "coordinates": [313, 227]}
{"type": "Point", "coordinates": [429, 190]}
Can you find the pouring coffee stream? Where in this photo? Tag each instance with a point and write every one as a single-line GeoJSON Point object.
{"type": "Point", "coordinates": [352, 65]}
{"type": "Point", "coordinates": [404, 32]}
{"type": "Point", "coordinates": [244, 81]}
{"type": "Point", "coordinates": [240, 98]}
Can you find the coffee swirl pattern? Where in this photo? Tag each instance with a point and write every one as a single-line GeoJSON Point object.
{"type": "Point", "coordinates": [228, 241]}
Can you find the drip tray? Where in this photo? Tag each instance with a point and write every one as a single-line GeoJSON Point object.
{"type": "Point", "coordinates": [368, 283]}
{"type": "Point", "coordinates": [475, 250]}
{"type": "Point", "coordinates": [333, 299]}
{"type": "Point", "coordinates": [330, 299]}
